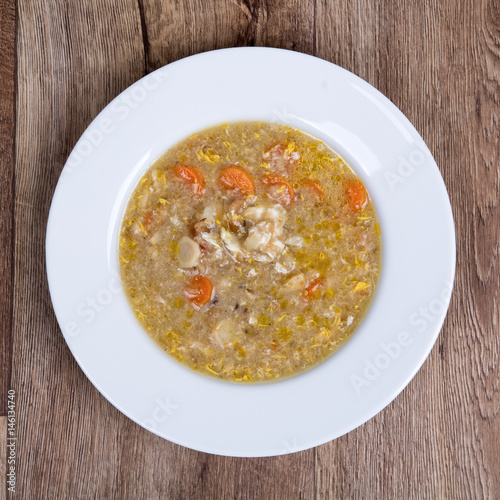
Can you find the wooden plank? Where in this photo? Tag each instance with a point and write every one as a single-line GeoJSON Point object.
{"type": "Point", "coordinates": [180, 29]}
{"type": "Point", "coordinates": [439, 62]}
{"type": "Point", "coordinates": [7, 135]}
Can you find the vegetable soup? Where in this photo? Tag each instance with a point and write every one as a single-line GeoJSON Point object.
{"type": "Point", "coordinates": [250, 251]}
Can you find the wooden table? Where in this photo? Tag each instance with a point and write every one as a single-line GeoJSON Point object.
{"type": "Point", "coordinates": [437, 60]}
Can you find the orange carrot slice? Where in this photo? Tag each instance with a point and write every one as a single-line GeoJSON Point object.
{"type": "Point", "coordinates": [312, 288]}
{"type": "Point", "coordinates": [199, 290]}
{"type": "Point", "coordinates": [237, 179]}
{"type": "Point", "coordinates": [285, 194]}
{"type": "Point", "coordinates": [192, 176]}
{"type": "Point", "coordinates": [356, 195]}
{"type": "Point", "coordinates": [314, 187]}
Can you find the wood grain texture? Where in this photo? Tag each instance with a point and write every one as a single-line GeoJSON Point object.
{"type": "Point", "coordinates": [7, 137]}
{"type": "Point", "coordinates": [439, 61]}
{"type": "Point", "coordinates": [179, 29]}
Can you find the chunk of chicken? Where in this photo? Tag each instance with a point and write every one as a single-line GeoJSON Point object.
{"type": "Point", "coordinates": [232, 245]}
{"type": "Point", "coordinates": [264, 242]}
{"type": "Point", "coordinates": [254, 214]}
{"type": "Point", "coordinates": [274, 213]}
{"type": "Point", "coordinates": [264, 236]}
{"type": "Point", "coordinates": [259, 236]}
{"type": "Point", "coordinates": [208, 241]}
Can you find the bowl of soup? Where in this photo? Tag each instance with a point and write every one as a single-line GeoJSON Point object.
{"type": "Point", "coordinates": [246, 263]}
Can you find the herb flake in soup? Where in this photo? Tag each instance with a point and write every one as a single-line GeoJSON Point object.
{"type": "Point", "coordinates": [250, 251]}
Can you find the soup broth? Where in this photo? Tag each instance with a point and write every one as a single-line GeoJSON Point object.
{"type": "Point", "coordinates": [250, 251]}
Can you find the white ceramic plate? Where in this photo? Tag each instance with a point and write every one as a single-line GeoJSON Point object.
{"type": "Point", "coordinates": [418, 252]}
